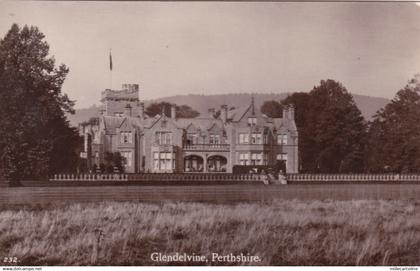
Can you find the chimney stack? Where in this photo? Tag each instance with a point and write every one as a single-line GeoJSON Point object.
{"type": "Point", "coordinates": [292, 112]}
{"type": "Point", "coordinates": [285, 112]}
{"type": "Point", "coordinates": [173, 111]}
{"type": "Point", "coordinates": [127, 110]}
{"type": "Point", "coordinates": [224, 113]}
{"type": "Point", "coordinates": [141, 109]}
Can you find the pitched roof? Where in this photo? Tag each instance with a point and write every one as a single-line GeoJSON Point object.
{"type": "Point", "coordinates": [237, 113]}
{"type": "Point", "coordinates": [132, 122]}
{"type": "Point", "coordinates": [111, 123]}
{"type": "Point", "coordinates": [201, 123]}
{"type": "Point", "coordinates": [284, 124]}
{"type": "Point", "coordinates": [157, 118]}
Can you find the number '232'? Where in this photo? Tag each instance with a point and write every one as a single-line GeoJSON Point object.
{"type": "Point", "coordinates": [10, 260]}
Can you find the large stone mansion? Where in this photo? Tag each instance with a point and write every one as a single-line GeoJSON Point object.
{"type": "Point", "coordinates": [242, 136]}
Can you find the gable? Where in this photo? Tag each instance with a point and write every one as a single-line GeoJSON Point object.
{"type": "Point", "coordinates": [261, 119]}
{"type": "Point", "coordinates": [191, 128]}
{"type": "Point", "coordinates": [111, 123]}
{"type": "Point", "coordinates": [164, 123]}
{"type": "Point", "coordinates": [126, 125]}
{"type": "Point", "coordinates": [215, 129]}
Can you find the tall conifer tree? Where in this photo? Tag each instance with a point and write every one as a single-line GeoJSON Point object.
{"type": "Point", "coordinates": [36, 138]}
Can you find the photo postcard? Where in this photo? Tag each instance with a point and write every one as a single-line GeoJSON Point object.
{"type": "Point", "coordinates": [144, 134]}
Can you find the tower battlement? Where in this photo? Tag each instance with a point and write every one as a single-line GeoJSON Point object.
{"type": "Point", "coordinates": [129, 92]}
{"type": "Point", "coordinates": [115, 101]}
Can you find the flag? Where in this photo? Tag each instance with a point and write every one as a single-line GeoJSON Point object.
{"type": "Point", "coordinates": [110, 61]}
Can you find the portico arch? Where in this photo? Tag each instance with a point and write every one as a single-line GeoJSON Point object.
{"type": "Point", "coordinates": [216, 163]}
{"type": "Point", "coordinates": [193, 163]}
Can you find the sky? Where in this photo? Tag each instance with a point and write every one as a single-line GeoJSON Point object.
{"type": "Point", "coordinates": [175, 48]}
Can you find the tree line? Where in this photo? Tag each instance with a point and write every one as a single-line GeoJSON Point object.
{"type": "Point", "coordinates": [335, 138]}
{"type": "Point", "coordinates": [36, 139]}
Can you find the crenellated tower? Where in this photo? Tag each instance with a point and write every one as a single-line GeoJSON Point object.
{"type": "Point", "coordinates": [116, 102]}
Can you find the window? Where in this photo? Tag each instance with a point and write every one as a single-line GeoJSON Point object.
{"type": "Point", "coordinates": [126, 137]}
{"type": "Point", "coordinates": [243, 158]}
{"type": "Point", "coordinates": [192, 139]}
{"type": "Point", "coordinates": [252, 121]}
{"type": "Point", "coordinates": [163, 161]}
{"type": "Point", "coordinates": [128, 158]}
{"type": "Point", "coordinates": [256, 159]}
{"type": "Point", "coordinates": [282, 139]}
{"type": "Point", "coordinates": [243, 138]}
{"type": "Point", "coordinates": [156, 160]}
{"type": "Point", "coordinates": [265, 159]}
{"type": "Point", "coordinates": [256, 138]}
{"type": "Point", "coordinates": [163, 138]}
{"type": "Point", "coordinates": [265, 138]}
{"type": "Point", "coordinates": [214, 139]}
{"type": "Point", "coordinates": [96, 136]}
{"type": "Point", "coordinates": [282, 157]}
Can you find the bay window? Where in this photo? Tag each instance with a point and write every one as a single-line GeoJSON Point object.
{"type": "Point", "coordinates": [128, 158]}
{"type": "Point", "coordinates": [256, 159]}
{"type": "Point", "coordinates": [243, 159]}
{"type": "Point", "coordinates": [163, 161]}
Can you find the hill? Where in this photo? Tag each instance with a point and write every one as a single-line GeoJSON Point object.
{"type": "Point", "coordinates": [367, 105]}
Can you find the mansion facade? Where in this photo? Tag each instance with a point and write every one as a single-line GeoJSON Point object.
{"type": "Point", "coordinates": [240, 136]}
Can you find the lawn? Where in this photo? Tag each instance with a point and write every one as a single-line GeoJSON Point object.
{"type": "Point", "coordinates": [223, 194]}
{"type": "Point", "coordinates": [278, 231]}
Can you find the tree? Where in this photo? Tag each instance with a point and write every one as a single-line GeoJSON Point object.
{"type": "Point", "coordinates": [339, 128]}
{"type": "Point", "coordinates": [156, 108]}
{"type": "Point", "coordinates": [114, 160]}
{"type": "Point", "coordinates": [66, 146]}
{"type": "Point", "coordinates": [331, 128]}
{"type": "Point", "coordinates": [36, 137]}
{"type": "Point", "coordinates": [182, 111]}
{"type": "Point", "coordinates": [394, 133]}
{"type": "Point", "coordinates": [91, 121]}
{"type": "Point", "coordinates": [272, 109]}
{"type": "Point", "coordinates": [185, 111]}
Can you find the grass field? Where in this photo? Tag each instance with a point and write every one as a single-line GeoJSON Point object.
{"type": "Point", "coordinates": [281, 232]}
{"type": "Point", "coordinates": [327, 224]}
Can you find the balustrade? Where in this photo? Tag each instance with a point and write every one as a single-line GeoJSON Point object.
{"type": "Point", "coordinates": [353, 177]}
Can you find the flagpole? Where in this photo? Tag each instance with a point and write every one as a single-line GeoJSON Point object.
{"type": "Point", "coordinates": [110, 66]}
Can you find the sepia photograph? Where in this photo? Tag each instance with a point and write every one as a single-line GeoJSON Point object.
{"type": "Point", "coordinates": [209, 134]}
